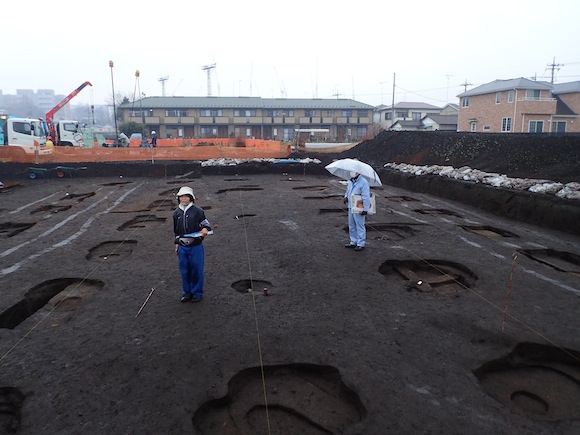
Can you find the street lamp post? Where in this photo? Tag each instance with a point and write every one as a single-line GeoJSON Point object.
{"type": "Point", "coordinates": [114, 106]}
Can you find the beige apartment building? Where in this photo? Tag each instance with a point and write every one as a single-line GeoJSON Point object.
{"type": "Point", "coordinates": [261, 118]}
{"type": "Point", "coordinates": [521, 106]}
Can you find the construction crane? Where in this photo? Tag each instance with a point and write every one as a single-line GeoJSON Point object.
{"type": "Point", "coordinates": [163, 80]}
{"type": "Point", "coordinates": [208, 69]}
{"type": "Point", "coordinates": [49, 117]}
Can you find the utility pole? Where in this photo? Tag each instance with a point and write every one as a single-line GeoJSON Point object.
{"type": "Point", "coordinates": [393, 103]}
{"type": "Point", "coordinates": [465, 85]}
{"type": "Point", "coordinates": [554, 67]}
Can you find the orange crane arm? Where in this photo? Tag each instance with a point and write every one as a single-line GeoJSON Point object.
{"type": "Point", "coordinates": [50, 114]}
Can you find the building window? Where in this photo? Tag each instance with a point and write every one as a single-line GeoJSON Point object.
{"type": "Point", "coordinates": [497, 97]}
{"type": "Point", "coordinates": [465, 102]}
{"type": "Point", "coordinates": [559, 127]}
{"type": "Point", "coordinates": [288, 134]}
{"type": "Point", "coordinates": [207, 132]}
{"type": "Point", "coordinates": [511, 96]}
{"type": "Point", "coordinates": [536, 127]}
{"type": "Point", "coordinates": [388, 116]}
{"type": "Point", "coordinates": [361, 132]}
{"type": "Point", "coordinates": [346, 113]}
{"type": "Point", "coordinates": [401, 114]}
{"type": "Point", "coordinates": [532, 94]}
{"type": "Point", "coordinates": [362, 113]}
{"type": "Point", "coordinates": [416, 116]}
{"type": "Point", "coordinates": [506, 124]}
{"type": "Point", "coordinates": [245, 112]}
{"type": "Point", "coordinates": [487, 128]}
{"type": "Point", "coordinates": [309, 112]}
{"type": "Point", "coordinates": [176, 112]}
{"type": "Point", "coordinates": [329, 113]}
{"type": "Point", "coordinates": [473, 126]}
{"type": "Point", "coordinates": [210, 112]}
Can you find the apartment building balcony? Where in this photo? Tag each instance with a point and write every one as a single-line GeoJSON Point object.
{"type": "Point", "coordinates": [247, 120]}
{"type": "Point", "coordinates": [179, 120]}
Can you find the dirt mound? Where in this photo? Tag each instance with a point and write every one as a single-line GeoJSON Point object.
{"type": "Point", "coordinates": [555, 158]}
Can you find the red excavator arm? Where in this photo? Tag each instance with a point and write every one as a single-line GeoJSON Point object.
{"type": "Point", "coordinates": [51, 112]}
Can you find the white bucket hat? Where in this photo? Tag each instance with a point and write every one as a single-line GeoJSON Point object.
{"type": "Point", "coordinates": [185, 190]}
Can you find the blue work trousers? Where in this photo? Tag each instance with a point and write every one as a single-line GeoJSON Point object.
{"type": "Point", "coordinates": [356, 229]}
{"type": "Point", "coordinates": [191, 261]}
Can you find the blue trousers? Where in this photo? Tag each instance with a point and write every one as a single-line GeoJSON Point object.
{"type": "Point", "coordinates": [191, 261]}
{"type": "Point", "coordinates": [356, 229]}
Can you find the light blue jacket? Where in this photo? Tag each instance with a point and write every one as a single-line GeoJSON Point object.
{"type": "Point", "coordinates": [359, 186]}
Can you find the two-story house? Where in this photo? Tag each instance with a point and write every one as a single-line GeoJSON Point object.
{"type": "Point", "coordinates": [520, 106]}
{"type": "Point", "coordinates": [409, 114]}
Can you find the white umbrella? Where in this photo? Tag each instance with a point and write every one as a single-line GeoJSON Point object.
{"type": "Point", "coordinates": [343, 167]}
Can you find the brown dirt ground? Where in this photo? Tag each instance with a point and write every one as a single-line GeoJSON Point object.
{"type": "Point", "coordinates": [409, 336]}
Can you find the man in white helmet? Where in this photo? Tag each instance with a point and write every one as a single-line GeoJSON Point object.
{"type": "Point", "coordinates": [190, 226]}
{"type": "Point", "coordinates": [153, 139]}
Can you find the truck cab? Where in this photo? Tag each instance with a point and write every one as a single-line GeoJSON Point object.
{"type": "Point", "coordinates": [26, 133]}
{"type": "Point", "coordinates": [68, 133]}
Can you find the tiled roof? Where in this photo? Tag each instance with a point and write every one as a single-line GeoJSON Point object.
{"type": "Point", "coordinates": [506, 85]}
{"type": "Point", "coordinates": [245, 103]}
{"type": "Point", "coordinates": [407, 105]}
{"type": "Point", "coordinates": [566, 88]}
{"type": "Point", "coordinates": [443, 119]}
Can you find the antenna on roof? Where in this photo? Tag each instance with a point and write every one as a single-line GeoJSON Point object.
{"type": "Point", "coordinates": [208, 69]}
{"type": "Point", "coordinates": [163, 80]}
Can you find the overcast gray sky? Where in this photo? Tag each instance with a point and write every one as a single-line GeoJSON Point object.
{"type": "Point", "coordinates": [296, 49]}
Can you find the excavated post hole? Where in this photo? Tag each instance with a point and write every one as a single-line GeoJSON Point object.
{"type": "Point", "coordinates": [112, 251]}
{"type": "Point", "coordinates": [78, 196]}
{"type": "Point", "coordinates": [332, 210]}
{"type": "Point", "coordinates": [301, 398]}
{"type": "Point", "coordinates": [559, 260]}
{"type": "Point", "coordinates": [489, 232]}
{"type": "Point", "coordinates": [436, 212]}
{"type": "Point", "coordinates": [536, 380]}
{"type": "Point", "coordinates": [440, 277]}
{"type": "Point", "coordinates": [141, 221]}
{"type": "Point", "coordinates": [401, 198]}
{"type": "Point", "coordinates": [11, 401]}
{"type": "Point", "coordinates": [40, 295]}
{"type": "Point", "coordinates": [51, 208]}
{"type": "Point", "coordinates": [239, 189]}
{"type": "Point", "coordinates": [249, 285]}
{"type": "Point", "coordinates": [319, 197]}
{"type": "Point", "coordinates": [388, 231]}
{"type": "Point", "coordinates": [311, 188]}
{"type": "Point", "coordinates": [117, 183]}
{"type": "Point", "coordinates": [242, 216]}
{"type": "Point", "coordinates": [10, 229]}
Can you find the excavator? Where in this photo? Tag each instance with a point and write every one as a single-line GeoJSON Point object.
{"type": "Point", "coordinates": [65, 133]}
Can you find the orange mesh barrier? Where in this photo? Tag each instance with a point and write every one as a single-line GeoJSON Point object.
{"type": "Point", "coordinates": [253, 149]}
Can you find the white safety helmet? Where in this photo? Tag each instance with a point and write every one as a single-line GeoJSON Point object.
{"type": "Point", "coordinates": [153, 132]}
{"type": "Point", "coordinates": [185, 190]}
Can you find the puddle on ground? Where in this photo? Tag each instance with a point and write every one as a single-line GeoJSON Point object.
{"type": "Point", "coordinates": [298, 399]}
{"type": "Point", "coordinates": [489, 232]}
{"type": "Point", "coordinates": [440, 277]}
{"type": "Point", "coordinates": [61, 294]}
{"type": "Point", "coordinates": [252, 285]}
{"type": "Point", "coordinates": [10, 229]}
{"type": "Point", "coordinates": [539, 381]}
{"type": "Point", "coordinates": [112, 251]}
{"type": "Point", "coordinates": [559, 260]}
{"type": "Point", "coordinates": [436, 212]}
{"type": "Point", "coordinates": [142, 221]}
{"type": "Point", "coordinates": [11, 401]}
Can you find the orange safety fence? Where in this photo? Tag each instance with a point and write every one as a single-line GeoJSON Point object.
{"type": "Point", "coordinates": [253, 149]}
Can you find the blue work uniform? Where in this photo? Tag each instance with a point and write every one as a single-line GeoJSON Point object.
{"type": "Point", "coordinates": [356, 221]}
{"type": "Point", "coordinates": [188, 220]}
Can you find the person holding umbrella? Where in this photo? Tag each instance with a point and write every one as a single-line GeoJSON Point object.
{"type": "Point", "coordinates": [357, 185]}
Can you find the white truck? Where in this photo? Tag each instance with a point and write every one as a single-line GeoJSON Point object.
{"type": "Point", "coordinates": [26, 133]}
{"type": "Point", "coordinates": [68, 133]}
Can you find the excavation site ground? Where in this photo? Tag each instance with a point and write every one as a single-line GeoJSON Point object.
{"type": "Point", "coordinates": [454, 319]}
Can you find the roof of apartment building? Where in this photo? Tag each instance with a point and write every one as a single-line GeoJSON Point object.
{"type": "Point", "coordinates": [506, 85]}
{"type": "Point", "coordinates": [566, 88]}
{"type": "Point", "coordinates": [408, 105]}
{"type": "Point", "coordinates": [245, 103]}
